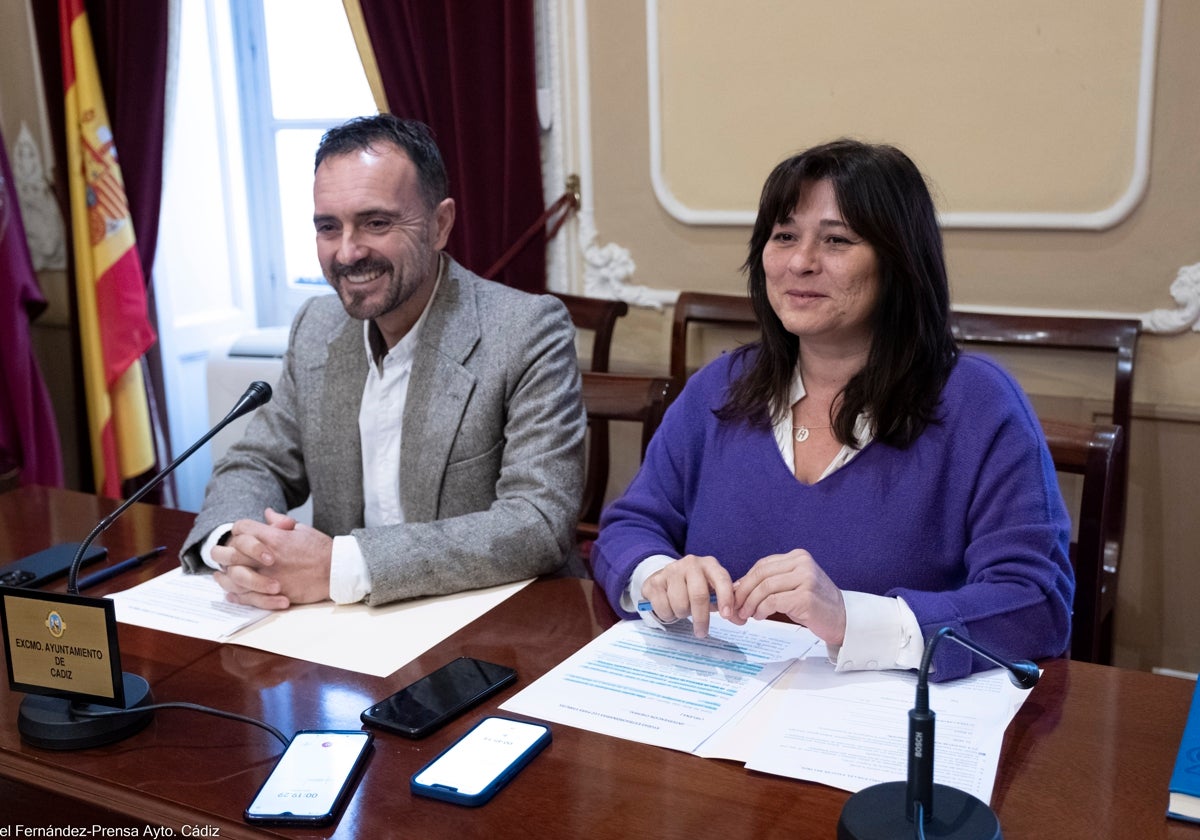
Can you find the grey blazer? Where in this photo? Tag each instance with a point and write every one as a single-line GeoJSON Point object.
{"type": "Point", "coordinates": [491, 458]}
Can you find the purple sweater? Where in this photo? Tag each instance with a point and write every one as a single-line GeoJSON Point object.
{"type": "Point", "coordinates": [967, 525]}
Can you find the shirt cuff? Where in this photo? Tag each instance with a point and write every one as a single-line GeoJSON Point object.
{"type": "Point", "coordinates": [349, 581]}
{"type": "Point", "coordinates": [214, 539]}
{"type": "Point", "coordinates": [881, 633]}
{"type": "Point", "coordinates": [633, 594]}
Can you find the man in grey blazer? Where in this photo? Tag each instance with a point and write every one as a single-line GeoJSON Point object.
{"type": "Point", "coordinates": [434, 417]}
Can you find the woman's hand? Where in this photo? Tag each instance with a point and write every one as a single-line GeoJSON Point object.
{"type": "Point", "coordinates": [683, 588]}
{"type": "Point", "coordinates": [793, 584]}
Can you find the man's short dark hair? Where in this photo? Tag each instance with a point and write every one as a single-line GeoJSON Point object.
{"type": "Point", "coordinates": [412, 137]}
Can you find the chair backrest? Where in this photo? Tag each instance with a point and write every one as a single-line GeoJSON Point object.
{"type": "Point", "coordinates": [1115, 336]}
{"type": "Point", "coordinates": [1090, 450]}
{"type": "Point", "coordinates": [1095, 335]}
{"type": "Point", "coordinates": [616, 397]}
{"type": "Point", "coordinates": [599, 316]}
{"type": "Point", "coordinates": [704, 308]}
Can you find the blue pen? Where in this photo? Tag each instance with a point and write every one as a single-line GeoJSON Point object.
{"type": "Point", "coordinates": [646, 606]}
{"type": "Point", "coordinates": [116, 569]}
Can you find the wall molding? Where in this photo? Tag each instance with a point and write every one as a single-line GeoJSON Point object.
{"type": "Point", "coordinates": [608, 268]}
{"type": "Point", "coordinates": [1185, 317]}
{"type": "Point", "coordinates": [1185, 291]}
{"type": "Point", "coordinates": [1098, 220]}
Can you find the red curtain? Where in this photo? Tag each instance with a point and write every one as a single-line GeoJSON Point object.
{"type": "Point", "coordinates": [130, 38]}
{"type": "Point", "coordinates": [468, 71]}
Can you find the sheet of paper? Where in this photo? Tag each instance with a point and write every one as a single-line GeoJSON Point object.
{"type": "Point", "coordinates": [372, 640]}
{"type": "Point", "coordinates": [350, 636]}
{"type": "Point", "coordinates": [188, 605]}
{"type": "Point", "coordinates": [850, 730]}
{"type": "Point", "coordinates": [663, 687]}
{"type": "Point", "coordinates": [739, 737]}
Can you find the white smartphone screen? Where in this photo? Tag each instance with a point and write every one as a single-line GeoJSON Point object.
{"type": "Point", "coordinates": [309, 776]}
{"type": "Point", "coordinates": [481, 756]}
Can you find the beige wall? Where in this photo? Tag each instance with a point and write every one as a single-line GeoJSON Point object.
{"type": "Point", "coordinates": [1127, 268]}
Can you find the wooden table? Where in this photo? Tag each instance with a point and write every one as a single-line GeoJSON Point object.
{"type": "Point", "coordinates": [1088, 755]}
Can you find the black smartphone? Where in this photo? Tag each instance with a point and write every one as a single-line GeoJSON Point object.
{"type": "Point", "coordinates": [47, 564]}
{"type": "Point", "coordinates": [473, 768]}
{"type": "Point", "coordinates": [418, 709]}
{"type": "Point", "coordinates": [312, 780]}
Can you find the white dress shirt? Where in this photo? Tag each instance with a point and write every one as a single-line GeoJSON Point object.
{"type": "Point", "coordinates": [380, 430]}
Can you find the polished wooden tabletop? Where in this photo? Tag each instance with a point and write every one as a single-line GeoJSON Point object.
{"type": "Point", "coordinates": [1089, 754]}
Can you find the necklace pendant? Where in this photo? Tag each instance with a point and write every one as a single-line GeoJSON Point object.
{"type": "Point", "coordinates": [801, 434]}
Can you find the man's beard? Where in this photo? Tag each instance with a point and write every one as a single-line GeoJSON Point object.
{"type": "Point", "coordinates": [357, 301]}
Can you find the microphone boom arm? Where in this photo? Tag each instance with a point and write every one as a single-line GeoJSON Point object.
{"type": "Point", "coordinates": [1023, 674]}
{"type": "Point", "coordinates": [256, 394]}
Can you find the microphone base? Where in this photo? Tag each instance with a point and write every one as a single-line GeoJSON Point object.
{"type": "Point", "coordinates": [52, 724]}
{"type": "Point", "coordinates": [880, 813]}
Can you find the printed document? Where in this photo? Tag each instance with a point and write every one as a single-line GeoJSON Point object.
{"type": "Point", "coordinates": [188, 605]}
{"type": "Point", "coordinates": [849, 730]}
{"type": "Point", "coordinates": [766, 695]}
{"type": "Point", "coordinates": [664, 687]}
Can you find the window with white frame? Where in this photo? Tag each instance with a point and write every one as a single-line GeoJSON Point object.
{"type": "Point", "coordinates": [299, 73]}
{"type": "Point", "coordinates": [254, 86]}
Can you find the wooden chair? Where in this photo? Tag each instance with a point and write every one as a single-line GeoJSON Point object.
{"type": "Point", "coordinates": [704, 308]}
{"type": "Point", "coordinates": [1091, 451]}
{"type": "Point", "coordinates": [1115, 336]}
{"type": "Point", "coordinates": [599, 316]}
{"type": "Point", "coordinates": [618, 397]}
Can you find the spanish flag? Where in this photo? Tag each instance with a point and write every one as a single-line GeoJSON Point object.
{"type": "Point", "coordinates": [114, 326]}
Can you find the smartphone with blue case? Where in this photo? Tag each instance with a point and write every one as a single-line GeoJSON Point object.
{"type": "Point", "coordinates": [474, 768]}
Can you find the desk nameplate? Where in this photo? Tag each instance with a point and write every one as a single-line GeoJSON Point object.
{"type": "Point", "coordinates": [62, 645]}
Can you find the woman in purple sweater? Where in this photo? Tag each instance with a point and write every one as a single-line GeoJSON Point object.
{"type": "Point", "coordinates": [850, 470]}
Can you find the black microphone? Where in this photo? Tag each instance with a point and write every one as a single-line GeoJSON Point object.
{"type": "Point", "coordinates": [259, 393]}
{"type": "Point", "coordinates": [60, 719]}
{"type": "Point", "coordinates": [906, 809]}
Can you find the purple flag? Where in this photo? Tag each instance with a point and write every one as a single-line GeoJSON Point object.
{"type": "Point", "coordinates": [28, 434]}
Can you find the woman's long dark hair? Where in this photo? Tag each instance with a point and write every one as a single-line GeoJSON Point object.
{"type": "Point", "coordinates": [883, 198]}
